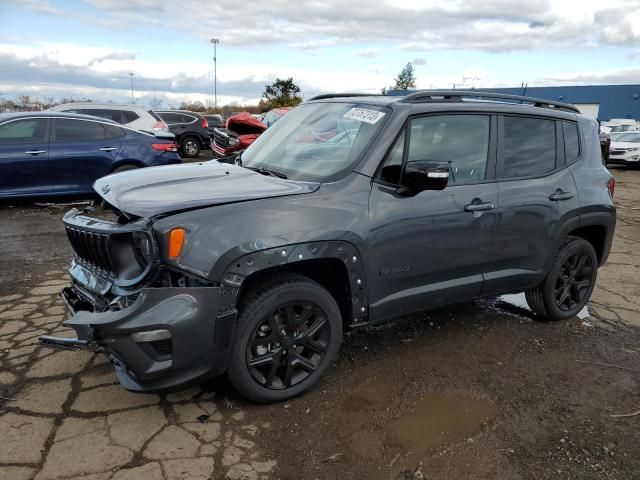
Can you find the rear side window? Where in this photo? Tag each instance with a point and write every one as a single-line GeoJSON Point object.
{"type": "Point", "coordinates": [113, 131]}
{"type": "Point", "coordinates": [23, 132]}
{"type": "Point", "coordinates": [188, 118]}
{"type": "Point", "coordinates": [571, 141]}
{"type": "Point", "coordinates": [74, 131]}
{"type": "Point", "coordinates": [129, 116]}
{"type": "Point", "coordinates": [171, 118]}
{"type": "Point", "coordinates": [102, 113]}
{"type": "Point", "coordinates": [529, 147]}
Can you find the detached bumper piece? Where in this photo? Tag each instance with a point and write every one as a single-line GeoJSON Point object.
{"type": "Point", "coordinates": [165, 338]}
{"type": "Point", "coordinates": [61, 343]}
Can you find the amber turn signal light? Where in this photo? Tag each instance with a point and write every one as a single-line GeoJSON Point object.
{"type": "Point", "coordinates": [176, 241]}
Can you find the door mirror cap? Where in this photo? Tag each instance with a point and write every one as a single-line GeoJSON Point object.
{"type": "Point", "coordinates": [425, 175]}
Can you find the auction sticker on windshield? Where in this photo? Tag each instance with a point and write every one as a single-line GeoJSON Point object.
{"type": "Point", "coordinates": [364, 115]}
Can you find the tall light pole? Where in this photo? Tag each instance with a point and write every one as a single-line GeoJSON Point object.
{"type": "Point", "coordinates": [215, 42]}
{"type": "Point", "coordinates": [132, 99]}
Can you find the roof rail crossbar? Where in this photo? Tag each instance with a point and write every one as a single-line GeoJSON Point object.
{"type": "Point", "coordinates": [341, 95]}
{"type": "Point", "coordinates": [458, 96]}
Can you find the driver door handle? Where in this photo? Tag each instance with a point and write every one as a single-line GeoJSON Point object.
{"type": "Point", "coordinates": [479, 207]}
{"type": "Point", "coordinates": [108, 149]}
{"type": "Point", "coordinates": [35, 152]}
{"type": "Point", "coordinates": [560, 195]}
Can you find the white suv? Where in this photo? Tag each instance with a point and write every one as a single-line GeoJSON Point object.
{"type": "Point", "coordinates": [133, 116]}
{"type": "Point", "coordinates": [625, 149]}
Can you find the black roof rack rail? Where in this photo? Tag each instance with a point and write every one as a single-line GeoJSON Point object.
{"type": "Point", "coordinates": [458, 95]}
{"type": "Point", "coordinates": [341, 95]}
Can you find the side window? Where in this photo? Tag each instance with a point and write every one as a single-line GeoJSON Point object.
{"type": "Point", "coordinates": [392, 166]}
{"type": "Point", "coordinates": [129, 116]}
{"type": "Point", "coordinates": [23, 132]}
{"type": "Point", "coordinates": [460, 140]}
{"type": "Point", "coordinates": [113, 131]}
{"type": "Point", "coordinates": [571, 141]}
{"type": "Point", "coordinates": [188, 118]}
{"type": "Point", "coordinates": [171, 118]}
{"type": "Point", "coordinates": [529, 146]}
{"type": "Point", "coordinates": [71, 131]}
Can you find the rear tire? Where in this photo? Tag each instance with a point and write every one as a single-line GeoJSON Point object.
{"type": "Point", "coordinates": [125, 167]}
{"type": "Point", "coordinates": [190, 147]}
{"type": "Point", "coordinates": [289, 332]}
{"type": "Point", "coordinates": [568, 284]}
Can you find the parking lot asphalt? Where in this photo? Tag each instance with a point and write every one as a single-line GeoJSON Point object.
{"type": "Point", "coordinates": [477, 390]}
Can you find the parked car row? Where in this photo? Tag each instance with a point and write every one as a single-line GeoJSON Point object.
{"type": "Point", "coordinates": [242, 129]}
{"type": "Point", "coordinates": [57, 153]}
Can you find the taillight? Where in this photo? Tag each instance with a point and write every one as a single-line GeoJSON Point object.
{"type": "Point", "coordinates": [611, 186]}
{"type": "Point", "coordinates": [205, 124]}
{"type": "Point", "coordinates": [165, 147]}
{"type": "Point", "coordinates": [160, 126]}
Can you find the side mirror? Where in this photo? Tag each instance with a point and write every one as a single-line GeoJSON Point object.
{"type": "Point", "coordinates": [424, 175]}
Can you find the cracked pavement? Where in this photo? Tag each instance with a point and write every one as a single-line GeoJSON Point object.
{"type": "Point", "coordinates": [63, 415]}
{"type": "Point", "coordinates": [66, 417]}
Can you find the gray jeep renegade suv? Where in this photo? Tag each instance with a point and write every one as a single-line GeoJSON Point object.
{"type": "Point", "coordinates": [348, 211]}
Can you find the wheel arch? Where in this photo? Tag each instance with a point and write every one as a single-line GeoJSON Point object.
{"type": "Point", "coordinates": [127, 161]}
{"type": "Point", "coordinates": [336, 265]}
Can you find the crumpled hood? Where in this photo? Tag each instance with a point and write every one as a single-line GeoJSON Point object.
{"type": "Point", "coordinates": [147, 192]}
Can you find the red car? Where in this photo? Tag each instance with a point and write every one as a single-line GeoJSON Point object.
{"type": "Point", "coordinates": [242, 129]}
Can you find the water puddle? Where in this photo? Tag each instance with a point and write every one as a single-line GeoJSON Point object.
{"type": "Point", "coordinates": [518, 300]}
{"type": "Point", "coordinates": [439, 418]}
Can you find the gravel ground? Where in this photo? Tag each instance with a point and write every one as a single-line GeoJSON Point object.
{"type": "Point", "coordinates": [476, 391]}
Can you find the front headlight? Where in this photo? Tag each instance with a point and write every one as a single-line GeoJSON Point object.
{"type": "Point", "coordinates": [233, 141]}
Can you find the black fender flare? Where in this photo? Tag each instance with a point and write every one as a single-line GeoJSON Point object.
{"type": "Point", "coordinates": [245, 265]}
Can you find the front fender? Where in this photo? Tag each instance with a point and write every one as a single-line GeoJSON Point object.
{"type": "Point", "coordinates": [240, 267]}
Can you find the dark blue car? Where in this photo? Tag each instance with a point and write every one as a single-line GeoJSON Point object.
{"type": "Point", "coordinates": [47, 153]}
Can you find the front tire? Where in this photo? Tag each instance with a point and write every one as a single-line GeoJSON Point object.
{"type": "Point", "coordinates": [289, 332]}
{"type": "Point", "coordinates": [569, 283]}
{"type": "Point", "coordinates": [190, 147]}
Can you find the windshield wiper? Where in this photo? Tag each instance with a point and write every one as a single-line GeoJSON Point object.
{"type": "Point", "coordinates": [266, 171]}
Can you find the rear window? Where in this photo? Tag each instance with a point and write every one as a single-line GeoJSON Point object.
{"type": "Point", "coordinates": [529, 147]}
{"type": "Point", "coordinates": [571, 141]}
{"type": "Point", "coordinates": [154, 115]}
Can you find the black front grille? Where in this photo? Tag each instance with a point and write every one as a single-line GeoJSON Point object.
{"type": "Point", "coordinates": [93, 248]}
{"type": "Point", "coordinates": [221, 136]}
{"type": "Point", "coordinates": [618, 151]}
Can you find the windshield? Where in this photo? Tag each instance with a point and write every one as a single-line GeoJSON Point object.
{"type": "Point", "coordinates": [316, 142]}
{"type": "Point", "coordinates": [628, 137]}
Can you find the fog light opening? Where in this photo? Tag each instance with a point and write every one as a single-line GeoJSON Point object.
{"type": "Point", "coordinates": [151, 336]}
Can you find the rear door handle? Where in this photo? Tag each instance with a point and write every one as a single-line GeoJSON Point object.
{"type": "Point", "coordinates": [478, 207]}
{"type": "Point", "coordinates": [108, 149]}
{"type": "Point", "coordinates": [35, 152]}
{"type": "Point", "coordinates": [559, 195]}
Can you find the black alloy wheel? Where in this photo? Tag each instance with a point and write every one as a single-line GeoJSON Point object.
{"type": "Point", "coordinates": [289, 344]}
{"type": "Point", "coordinates": [288, 334]}
{"type": "Point", "coordinates": [569, 282]}
{"type": "Point", "coordinates": [573, 281]}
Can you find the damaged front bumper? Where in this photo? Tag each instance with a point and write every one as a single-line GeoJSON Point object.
{"type": "Point", "coordinates": [167, 337]}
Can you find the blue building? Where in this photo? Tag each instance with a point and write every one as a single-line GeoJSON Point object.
{"type": "Point", "coordinates": [602, 102]}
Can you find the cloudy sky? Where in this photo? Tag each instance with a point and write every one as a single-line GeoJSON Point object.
{"type": "Point", "coordinates": [86, 49]}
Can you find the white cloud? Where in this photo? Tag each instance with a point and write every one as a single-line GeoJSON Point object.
{"type": "Point", "coordinates": [492, 25]}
